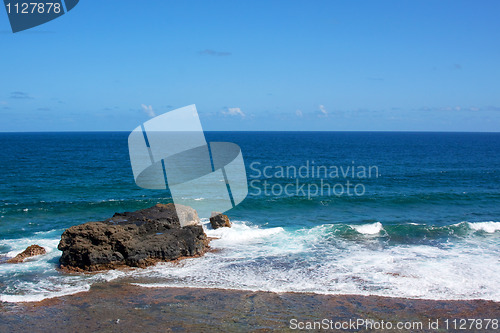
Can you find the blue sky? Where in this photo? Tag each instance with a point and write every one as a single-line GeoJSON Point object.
{"type": "Point", "coordinates": [257, 65]}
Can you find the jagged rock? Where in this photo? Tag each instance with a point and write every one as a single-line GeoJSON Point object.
{"type": "Point", "coordinates": [219, 220]}
{"type": "Point", "coordinates": [31, 251]}
{"type": "Point", "coordinates": [136, 239]}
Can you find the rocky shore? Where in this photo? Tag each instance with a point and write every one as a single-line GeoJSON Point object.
{"type": "Point", "coordinates": [121, 307]}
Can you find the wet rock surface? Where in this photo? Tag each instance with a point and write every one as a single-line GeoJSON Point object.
{"type": "Point", "coordinates": [219, 220]}
{"type": "Point", "coordinates": [135, 239]}
{"type": "Point", "coordinates": [117, 307]}
{"type": "Point", "coordinates": [31, 251]}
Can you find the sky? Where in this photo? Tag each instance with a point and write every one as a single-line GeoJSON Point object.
{"type": "Point", "coordinates": [256, 65]}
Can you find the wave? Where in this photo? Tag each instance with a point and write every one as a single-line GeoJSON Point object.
{"type": "Point", "coordinates": [321, 260]}
{"type": "Point", "coordinates": [241, 232]}
{"type": "Point", "coordinates": [418, 232]}
{"type": "Point", "coordinates": [489, 227]}
{"type": "Point", "coordinates": [365, 258]}
{"type": "Point", "coordinates": [368, 229]}
{"type": "Point", "coordinates": [45, 239]}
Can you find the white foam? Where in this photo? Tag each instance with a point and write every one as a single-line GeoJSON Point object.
{"type": "Point", "coordinates": [40, 238]}
{"type": "Point", "coordinates": [37, 278]}
{"type": "Point", "coordinates": [312, 260]}
{"type": "Point", "coordinates": [368, 229]}
{"type": "Point", "coordinates": [489, 227]}
{"type": "Point", "coordinates": [40, 296]}
{"type": "Point", "coordinates": [241, 232]}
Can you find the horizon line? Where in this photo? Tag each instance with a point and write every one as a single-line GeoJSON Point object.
{"type": "Point", "coordinates": [284, 131]}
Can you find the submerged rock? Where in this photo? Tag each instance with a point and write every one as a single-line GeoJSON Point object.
{"type": "Point", "coordinates": [136, 239]}
{"type": "Point", "coordinates": [219, 220]}
{"type": "Point", "coordinates": [31, 251]}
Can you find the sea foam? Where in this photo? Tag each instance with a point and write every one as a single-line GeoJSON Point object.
{"type": "Point", "coordinates": [368, 229]}
{"type": "Point", "coordinates": [314, 260]}
{"type": "Point", "coordinates": [37, 278]}
{"type": "Point", "coordinates": [489, 227]}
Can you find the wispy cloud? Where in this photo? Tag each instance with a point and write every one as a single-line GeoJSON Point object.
{"type": "Point", "coordinates": [210, 52]}
{"type": "Point", "coordinates": [148, 109]}
{"type": "Point", "coordinates": [492, 108]}
{"type": "Point", "coordinates": [323, 111]}
{"type": "Point", "coordinates": [111, 108]}
{"type": "Point", "coordinates": [234, 112]}
{"type": "Point", "coordinates": [43, 109]}
{"type": "Point", "coordinates": [20, 95]}
{"type": "Point", "coordinates": [57, 100]}
{"type": "Point", "coordinates": [299, 113]}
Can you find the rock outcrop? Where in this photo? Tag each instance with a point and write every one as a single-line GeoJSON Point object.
{"type": "Point", "coordinates": [136, 239]}
{"type": "Point", "coordinates": [219, 220]}
{"type": "Point", "coordinates": [31, 251]}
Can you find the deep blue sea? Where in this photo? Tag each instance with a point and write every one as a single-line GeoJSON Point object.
{"type": "Point", "coordinates": [422, 221]}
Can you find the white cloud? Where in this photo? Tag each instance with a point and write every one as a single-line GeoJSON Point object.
{"type": "Point", "coordinates": [323, 110]}
{"type": "Point", "coordinates": [234, 112]}
{"type": "Point", "coordinates": [449, 108]}
{"type": "Point", "coordinates": [299, 113]}
{"type": "Point", "coordinates": [149, 110]}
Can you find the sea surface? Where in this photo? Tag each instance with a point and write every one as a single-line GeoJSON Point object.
{"type": "Point", "coordinates": [401, 214]}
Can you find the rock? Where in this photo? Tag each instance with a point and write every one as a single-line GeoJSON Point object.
{"type": "Point", "coordinates": [136, 239]}
{"type": "Point", "coordinates": [187, 215]}
{"type": "Point", "coordinates": [219, 220]}
{"type": "Point", "coordinates": [31, 251]}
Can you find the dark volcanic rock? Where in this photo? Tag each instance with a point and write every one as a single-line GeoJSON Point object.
{"type": "Point", "coordinates": [137, 239]}
{"type": "Point", "coordinates": [219, 220]}
{"type": "Point", "coordinates": [31, 251]}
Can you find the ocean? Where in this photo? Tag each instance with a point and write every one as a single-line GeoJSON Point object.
{"type": "Point", "coordinates": [402, 214]}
